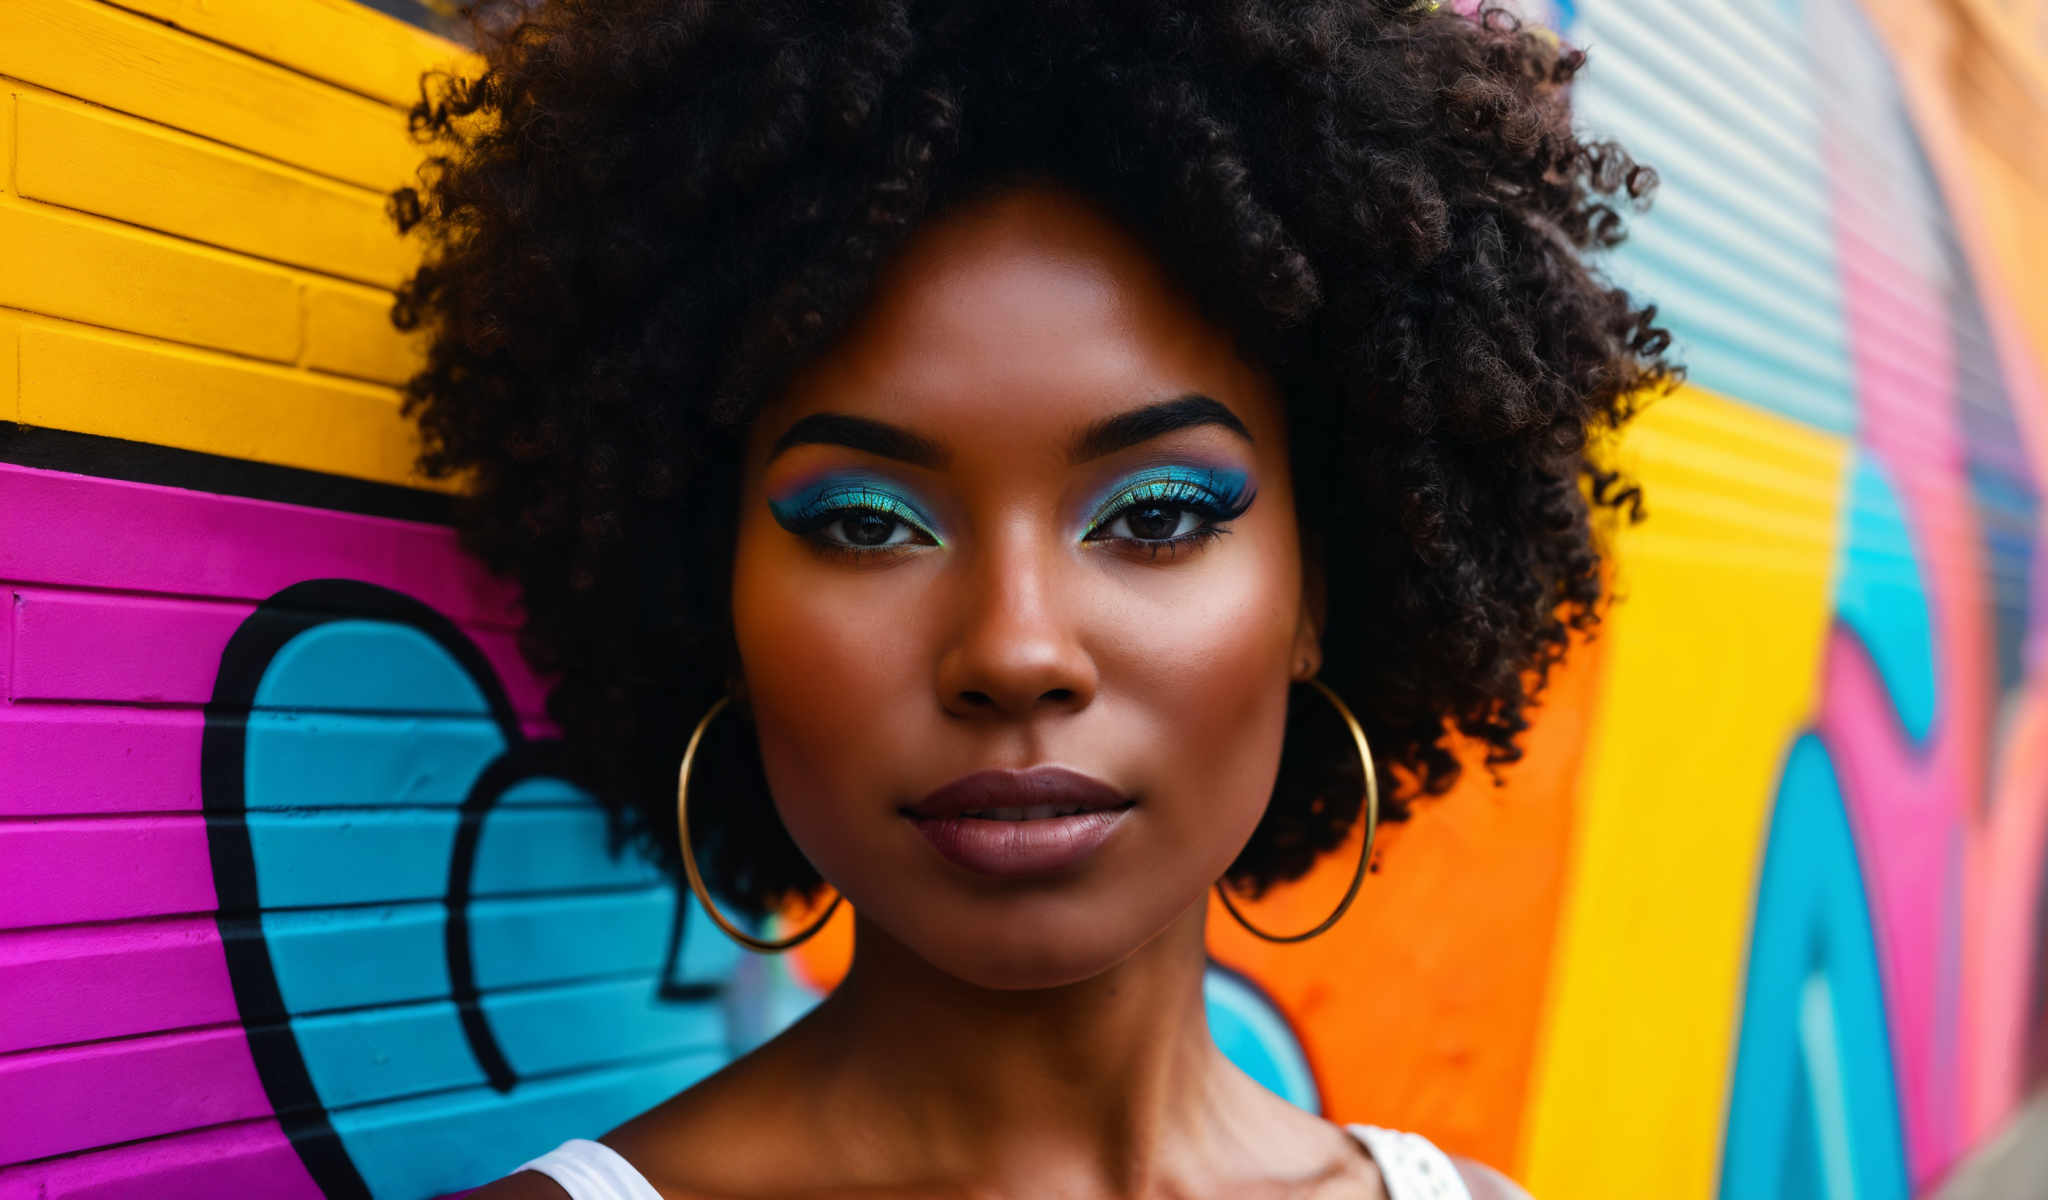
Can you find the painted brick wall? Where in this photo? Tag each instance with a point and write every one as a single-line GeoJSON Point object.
{"type": "Point", "coordinates": [253, 720]}
{"type": "Point", "coordinates": [291, 903]}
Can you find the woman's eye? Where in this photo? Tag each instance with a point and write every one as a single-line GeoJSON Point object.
{"type": "Point", "coordinates": [1172, 507]}
{"type": "Point", "coordinates": [852, 517]}
{"type": "Point", "coordinates": [871, 530]}
{"type": "Point", "coordinates": [1153, 522]}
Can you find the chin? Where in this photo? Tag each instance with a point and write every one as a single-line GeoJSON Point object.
{"type": "Point", "coordinates": [1026, 954]}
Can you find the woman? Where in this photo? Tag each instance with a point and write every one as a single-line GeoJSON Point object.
{"type": "Point", "coordinates": [954, 435]}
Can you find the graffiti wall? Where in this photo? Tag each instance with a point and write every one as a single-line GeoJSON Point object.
{"type": "Point", "coordinates": [294, 903]}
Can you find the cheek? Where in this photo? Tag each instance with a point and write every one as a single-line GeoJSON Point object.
{"type": "Point", "coordinates": [821, 661]}
{"type": "Point", "coordinates": [1208, 666]}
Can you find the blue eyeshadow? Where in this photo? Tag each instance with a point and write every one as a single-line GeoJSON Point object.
{"type": "Point", "coordinates": [1217, 492]}
{"type": "Point", "coordinates": [832, 497]}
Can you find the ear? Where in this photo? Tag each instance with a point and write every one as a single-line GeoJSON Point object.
{"type": "Point", "coordinates": [1307, 653]}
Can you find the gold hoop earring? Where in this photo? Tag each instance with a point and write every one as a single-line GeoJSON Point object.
{"type": "Point", "coordinates": [697, 887]}
{"type": "Point", "coordinates": [1372, 826]}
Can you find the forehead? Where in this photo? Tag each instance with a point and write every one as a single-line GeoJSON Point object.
{"type": "Point", "coordinates": [1029, 308]}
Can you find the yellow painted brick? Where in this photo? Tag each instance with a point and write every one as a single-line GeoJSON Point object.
{"type": "Point", "coordinates": [7, 103]}
{"type": "Point", "coordinates": [10, 366]}
{"type": "Point", "coordinates": [102, 384]}
{"type": "Point", "coordinates": [337, 40]}
{"type": "Point", "coordinates": [349, 332]}
{"type": "Point", "coordinates": [87, 159]}
{"type": "Point", "coordinates": [135, 65]}
{"type": "Point", "coordinates": [85, 270]}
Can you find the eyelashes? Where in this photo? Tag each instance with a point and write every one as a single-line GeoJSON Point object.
{"type": "Point", "coordinates": [1158, 510]}
{"type": "Point", "coordinates": [1168, 508]}
{"type": "Point", "coordinates": [853, 515]}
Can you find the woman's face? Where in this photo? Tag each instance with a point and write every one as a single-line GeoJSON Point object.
{"type": "Point", "coordinates": [1022, 543]}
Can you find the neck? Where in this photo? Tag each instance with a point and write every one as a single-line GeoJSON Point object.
{"type": "Point", "coordinates": [1107, 1084]}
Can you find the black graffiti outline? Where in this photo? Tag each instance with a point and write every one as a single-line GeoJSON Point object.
{"type": "Point", "coordinates": [274, 1047]}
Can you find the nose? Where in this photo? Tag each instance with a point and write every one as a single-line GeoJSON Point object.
{"type": "Point", "coordinates": [1015, 650]}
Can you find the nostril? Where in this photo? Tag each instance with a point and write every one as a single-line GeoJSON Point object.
{"type": "Point", "coordinates": [1059, 695]}
{"type": "Point", "coordinates": [978, 699]}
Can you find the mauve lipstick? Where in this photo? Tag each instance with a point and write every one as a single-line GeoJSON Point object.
{"type": "Point", "coordinates": [1038, 844]}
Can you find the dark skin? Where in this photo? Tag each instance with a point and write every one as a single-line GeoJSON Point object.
{"type": "Point", "coordinates": [1003, 1037]}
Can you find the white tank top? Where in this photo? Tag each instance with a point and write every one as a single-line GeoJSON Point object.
{"type": "Point", "coordinates": [1413, 1168]}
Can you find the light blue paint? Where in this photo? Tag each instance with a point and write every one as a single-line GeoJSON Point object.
{"type": "Point", "coordinates": [568, 1026]}
{"type": "Point", "coordinates": [1801, 1173]}
{"type": "Point", "coordinates": [515, 941]}
{"type": "Point", "coordinates": [368, 666]}
{"type": "Point", "coordinates": [1814, 1101]}
{"type": "Point", "coordinates": [300, 759]}
{"type": "Point", "coordinates": [381, 1053]}
{"type": "Point", "coordinates": [393, 953]}
{"type": "Point", "coordinates": [1820, 1052]}
{"type": "Point", "coordinates": [350, 856]}
{"type": "Point", "coordinates": [544, 849]}
{"type": "Point", "coordinates": [1880, 595]}
{"type": "Point", "coordinates": [306, 859]}
{"type": "Point", "coordinates": [432, 1145]}
{"type": "Point", "coordinates": [542, 791]}
{"type": "Point", "coordinates": [367, 736]}
{"type": "Point", "coordinates": [1254, 1035]}
{"type": "Point", "coordinates": [708, 955]}
{"type": "Point", "coordinates": [534, 957]}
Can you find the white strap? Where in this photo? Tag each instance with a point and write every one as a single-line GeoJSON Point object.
{"type": "Point", "coordinates": [1414, 1169]}
{"type": "Point", "coordinates": [590, 1170]}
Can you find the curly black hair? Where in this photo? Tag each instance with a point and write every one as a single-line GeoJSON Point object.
{"type": "Point", "coordinates": [644, 215]}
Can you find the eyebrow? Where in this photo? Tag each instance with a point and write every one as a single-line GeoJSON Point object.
{"type": "Point", "coordinates": [1127, 429]}
{"type": "Point", "coordinates": [1107, 436]}
{"type": "Point", "coordinates": [861, 433]}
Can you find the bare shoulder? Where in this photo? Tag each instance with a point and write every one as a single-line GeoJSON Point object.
{"type": "Point", "coordinates": [1485, 1183]}
{"type": "Point", "coordinates": [520, 1185]}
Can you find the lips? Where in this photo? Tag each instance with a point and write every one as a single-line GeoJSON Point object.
{"type": "Point", "coordinates": [1020, 823]}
